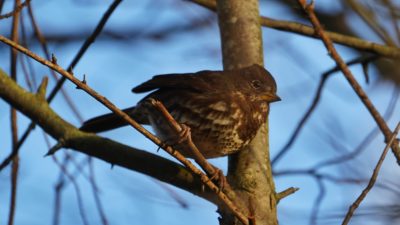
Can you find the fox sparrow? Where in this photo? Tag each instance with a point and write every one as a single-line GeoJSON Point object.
{"type": "Point", "coordinates": [224, 109]}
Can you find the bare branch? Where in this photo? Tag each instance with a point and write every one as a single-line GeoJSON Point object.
{"type": "Point", "coordinates": [105, 149]}
{"type": "Point", "coordinates": [369, 17]}
{"type": "Point", "coordinates": [285, 193]}
{"type": "Point", "coordinates": [43, 43]}
{"type": "Point", "coordinates": [309, 9]}
{"type": "Point", "coordinates": [76, 59]}
{"type": "Point", "coordinates": [66, 139]}
{"type": "Point", "coordinates": [308, 31]}
{"type": "Point", "coordinates": [374, 176]}
{"type": "Point", "coordinates": [13, 113]}
{"type": "Point", "coordinates": [317, 96]}
{"type": "Point", "coordinates": [16, 10]}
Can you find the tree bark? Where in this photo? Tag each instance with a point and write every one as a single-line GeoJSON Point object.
{"type": "Point", "coordinates": [249, 171]}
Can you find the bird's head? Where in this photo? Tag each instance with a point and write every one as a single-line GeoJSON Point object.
{"type": "Point", "coordinates": [258, 84]}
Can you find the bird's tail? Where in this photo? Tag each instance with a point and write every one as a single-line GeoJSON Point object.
{"type": "Point", "coordinates": [111, 121]}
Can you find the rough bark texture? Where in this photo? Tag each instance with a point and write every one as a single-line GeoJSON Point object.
{"type": "Point", "coordinates": [249, 171]}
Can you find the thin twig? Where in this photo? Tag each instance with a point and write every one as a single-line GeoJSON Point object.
{"type": "Point", "coordinates": [317, 96]}
{"type": "Point", "coordinates": [316, 206]}
{"type": "Point", "coordinates": [298, 28]}
{"type": "Point", "coordinates": [374, 176]}
{"type": "Point", "coordinates": [75, 111]}
{"type": "Point", "coordinates": [32, 84]}
{"type": "Point", "coordinates": [13, 192]}
{"type": "Point", "coordinates": [367, 139]}
{"type": "Point", "coordinates": [283, 194]}
{"type": "Point", "coordinates": [102, 148]}
{"type": "Point", "coordinates": [27, 70]}
{"type": "Point", "coordinates": [57, 202]}
{"type": "Point", "coordinates": [95, 191]}
{"type": "Point", "coordinates": [83, 86]}
{"type": "Point", "coordinates": [392, 11]}
{"type": "Point", "coordinates": [313, 171]}
{"type": "Point", "coordinates": [309, 9]}
{"type": "Point", "coordinates": [13, 118]}
{"type": "Point", "coordinates": [43, 43]}
{"type": "Point", "coordinates": [60, 185]}
{"type": "Point", "coordinates": [15, 11]}
{"type": "Point", "coordinates": [59, 84]}
{"type": "Point", "coordinates": [370, 19]}
{"type": "Point", "coordinates": [72, 178]}
{"type": "Point", "coordinates": [85, 46]}
{"type": "Point", "coordinates": [77, 191]}
{"type": "Point", "coordinates": [70, 158]}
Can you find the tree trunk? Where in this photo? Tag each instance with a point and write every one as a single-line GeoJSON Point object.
{"type": "Point", "coordinates": [249, 171]}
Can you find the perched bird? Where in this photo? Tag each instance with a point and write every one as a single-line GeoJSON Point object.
{"type": "Point", "coordinates": [224, 109]}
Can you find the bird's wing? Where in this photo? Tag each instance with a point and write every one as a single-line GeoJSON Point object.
{"type": "Point", "coordinates": [200, 81]}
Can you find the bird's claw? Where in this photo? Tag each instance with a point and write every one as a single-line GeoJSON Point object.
{"type": "Point", "coordinates": [219, 179]}
{"type": "Point", "coordinates": [184, 133]}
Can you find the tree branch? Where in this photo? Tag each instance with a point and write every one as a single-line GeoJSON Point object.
{"type": "Point", "coordinates": [37, 109]}
{"type": "Point", "coordinates": [74, 62]}
{"type": "Point", "coordinates": [374, 176]}
{"type": "Point", "coordinates": [309, 10]}
{"type": "Point", "coordinates": [249, 170]}
{"type": "Point", "coordinates": [308, 31]}
{"type": "Point", "coordinates": [64, 137]}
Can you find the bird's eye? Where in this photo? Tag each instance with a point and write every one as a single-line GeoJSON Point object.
{"type": "Point", "coordinates": [256, 84]}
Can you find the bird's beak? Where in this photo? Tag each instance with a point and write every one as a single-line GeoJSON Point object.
{"type": "Point", "coordinates": [271, 97]}
{"type": "Point", "coordinates": [275, 98]}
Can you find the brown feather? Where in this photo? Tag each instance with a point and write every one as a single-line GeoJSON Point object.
{"type": "Point", "coordinates": [224, 109]}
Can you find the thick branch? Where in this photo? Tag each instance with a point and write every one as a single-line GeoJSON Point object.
{"type": "Point", "coordinates": [249, 171]}
{"type": "Point", "coordinates": [37, 109]}
{"type": "Point", "coordinates": [74, 62]}
{"type": "Point", "coordinates": [176, 154]}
